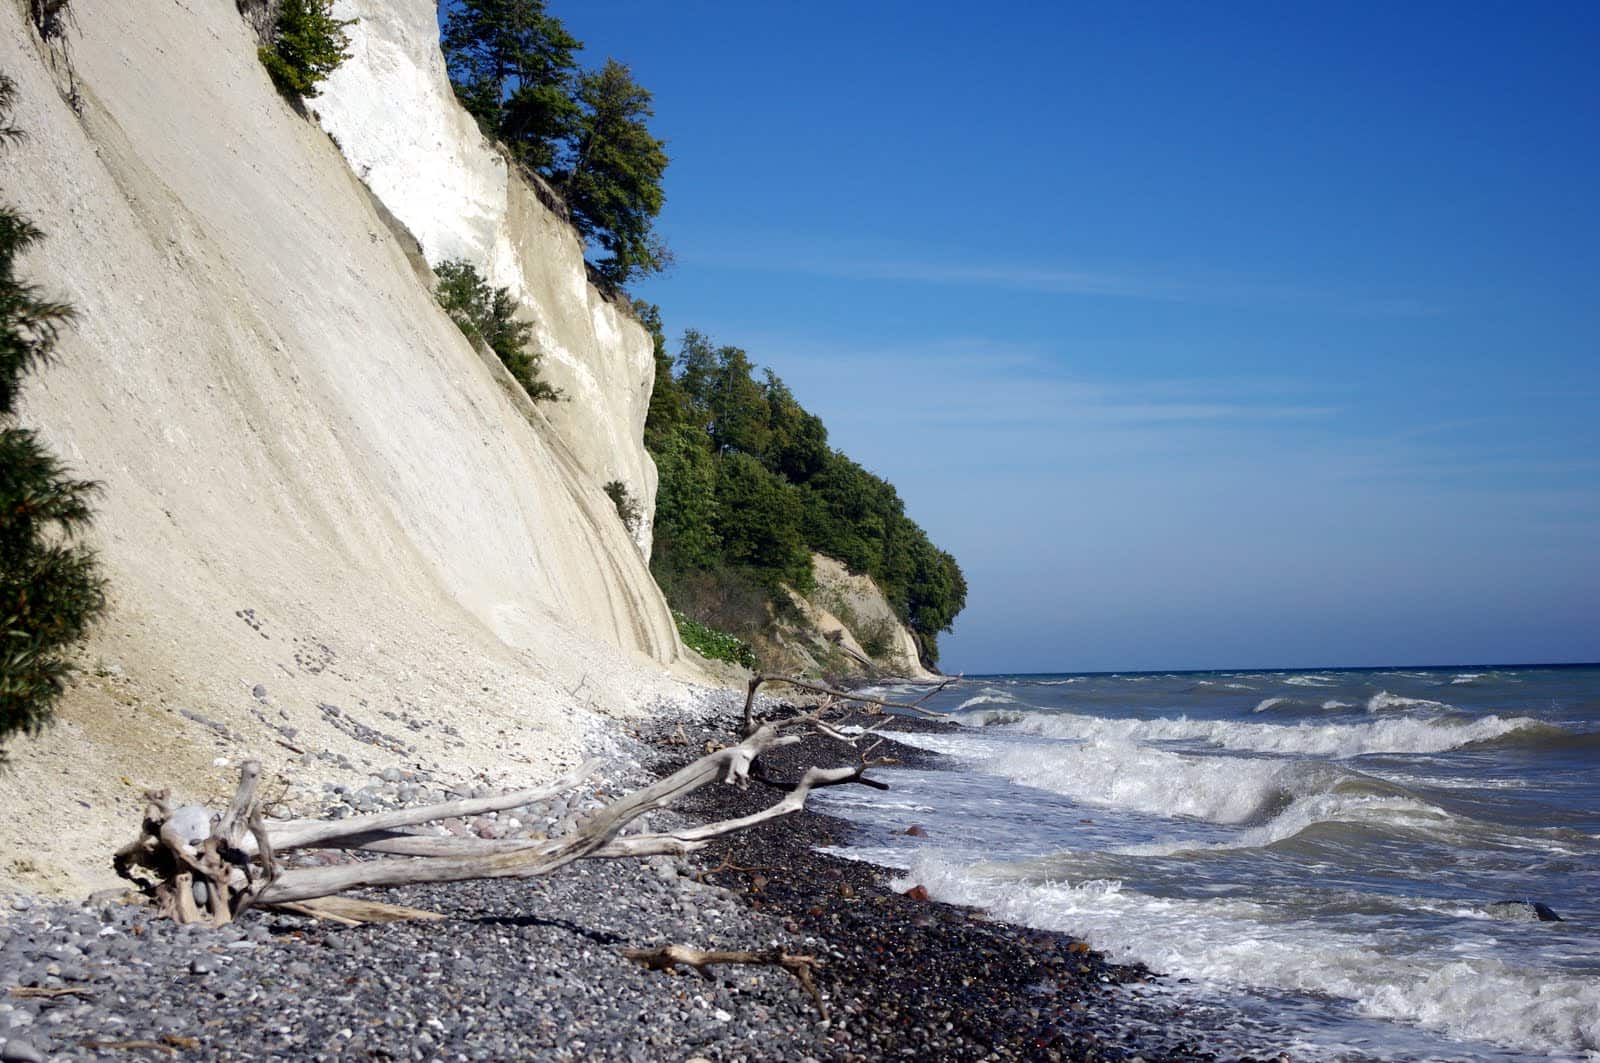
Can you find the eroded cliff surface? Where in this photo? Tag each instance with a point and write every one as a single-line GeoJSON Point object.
{"type": "Point", "coordinates": [332, 537]}
{"type": "Point", "coordinates": [393, 114]}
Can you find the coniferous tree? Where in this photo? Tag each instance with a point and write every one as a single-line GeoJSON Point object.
{"type": "Point", "coordinates": [512, 67]}
{"type": "Point", "coordinates": [50, 587]}
{"type": "Point", "coordinates": [669, 404]}
{"type": "Point", "coordinates": [612, 182]}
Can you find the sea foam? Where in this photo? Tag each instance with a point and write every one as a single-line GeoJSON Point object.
{"type": "Point", "coordinates": [1225, 943]}
{"type": "Point", "coordinates": [1337, 740]}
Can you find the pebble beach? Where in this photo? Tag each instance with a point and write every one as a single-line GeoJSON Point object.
{"type": "Point", "coordinates": [535, 969]}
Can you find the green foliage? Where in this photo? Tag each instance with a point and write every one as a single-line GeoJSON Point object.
{"type": "Point", "coordinates": [50, 587]}
{"type": "Point", "coordinates": [612, 182]}
{"type": "Point", "coordinates": [513, 67]}
{"type": "Point", "coordinates": [308, 44]}
{"type": "Point", "coordinates": [717, 645]}
{"type": "Point", "coordinates": [876, 638]}
{"type": "Point", "coordinates": [686, 537]}
{"type": "Point", "coordinates": [777, 493]}
{"type": "Point", "coordinates": [627, 507]}
{"type": "Point", "coordinates": [669, 404]}
{"type": "Point", "coordinates": [487, 315]}
{"type": "Point", "coordinates": [758, 521]}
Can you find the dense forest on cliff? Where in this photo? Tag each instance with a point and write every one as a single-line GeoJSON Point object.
{"type": "Point", "coordinates": [750, 487]}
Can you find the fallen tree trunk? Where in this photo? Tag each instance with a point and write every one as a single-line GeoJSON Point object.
{"type": "Point", "coordinates": [209, 867]}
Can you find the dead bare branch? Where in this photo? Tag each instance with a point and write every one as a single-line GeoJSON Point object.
{"type": "Point", "coordinates": [756, 682]}
{"type": "Point", "coordinates": [210, 867]}
{"type": "Point", "coordinates": [47, 992]}
{"type": "Point", "coordinates": [670, 957]}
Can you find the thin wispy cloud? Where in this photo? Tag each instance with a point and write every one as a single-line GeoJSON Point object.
{"type": "Point", "coordinates": [1049, 279]}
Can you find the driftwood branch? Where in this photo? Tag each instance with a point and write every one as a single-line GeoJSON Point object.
{"type": "Point", "coordinates": [671, 957]}
{"type": "Point", "coordinates": [757, 681]}
{"type": "Point", "coordinates": [210, 867]}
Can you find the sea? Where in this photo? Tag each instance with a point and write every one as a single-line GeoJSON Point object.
{"type": "Point", "coordinates": [1397, 863]}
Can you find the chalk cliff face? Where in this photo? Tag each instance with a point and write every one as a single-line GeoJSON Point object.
{"type": "Point", "coordinates": [843, 627]}
{"type": "Point", "coordinates": [855, 602]}
{"type": "Point", "coordinates": [331, 535]}
{"type": "Point", "coordinates": [391, 110]}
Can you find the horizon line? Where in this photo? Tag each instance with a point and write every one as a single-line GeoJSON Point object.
{"type": "Point", "coordinates": [1321, 668]}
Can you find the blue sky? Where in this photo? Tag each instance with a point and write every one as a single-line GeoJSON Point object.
{"type": "Point", "coordinates": [1202, 335]}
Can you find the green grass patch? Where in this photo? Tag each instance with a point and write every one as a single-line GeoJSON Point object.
{"type": "Point", "coordinates": [717, 645]}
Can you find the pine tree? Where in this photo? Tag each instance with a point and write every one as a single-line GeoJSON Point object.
{"type": "Point", "coordinates": [50, 587]}
{"type": "Point", "coordinates": [612, 182]}
{"type": "Point", "coordinates": [513, 69]}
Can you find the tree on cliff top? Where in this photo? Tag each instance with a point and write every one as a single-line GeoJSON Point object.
{"type": "Point", "coordinates": [513, 69]}
{"type": "Point", "coordinates": [612, 181]}
{"type": "Point", "coordinates": [50, 588]}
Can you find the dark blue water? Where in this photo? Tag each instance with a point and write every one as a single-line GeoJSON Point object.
{"type": "Point", "coordinates": [1333, 851]}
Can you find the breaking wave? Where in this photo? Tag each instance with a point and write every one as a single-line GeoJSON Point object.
{"type": "Point", "coordinates": [1336, 740]}
{"type": "Point", "coordinates": [1227, 942]}
{"type": "Point", "coordinates": [1383, 701]}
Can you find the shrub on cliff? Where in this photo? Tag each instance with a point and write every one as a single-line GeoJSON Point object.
{"type": "Point", "coordinates": [716, 645]}
{"type": "Point", "coordinates": [50, 587]}
{"type": "Point", "coordinates": [628, 510]}
{"type": "Point", "coordinates": [487, 315]}
{"type": "Point", "coordinates": [307, 45]}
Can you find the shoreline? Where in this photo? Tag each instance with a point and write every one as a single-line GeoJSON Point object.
{"type": "Point", "coordinates": [925, 978]}
{"type": "Point", "coordinates": [534, 968]}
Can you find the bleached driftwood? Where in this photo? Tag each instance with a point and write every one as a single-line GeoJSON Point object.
{"type": "Point", "coordinates": [756, 682]}
{"type": "Point", "coordinates": [225, 863]}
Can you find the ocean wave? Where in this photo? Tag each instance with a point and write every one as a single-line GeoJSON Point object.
{"type": "Point", "coordinates": [1268, 704]}
{"type": "Point", "coordinates": [1227, 942]}
{"type": "Point", "coordinates": [1121, 774]}
{"type": "Point", "coordinates": [1336, 740]}
{"type": "Point", "coordinates": [1311, 681]}
{"type": "Point", "coordinates": [1334, 703]}
{"type": "Point", "coordinates": [1344, 804]}
{"type": "Point", "coordinates": [1383, 701]}
{"type": "Point", "coordinates": [987, 697]}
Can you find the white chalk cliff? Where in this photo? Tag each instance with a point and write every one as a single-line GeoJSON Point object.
{"type": "Point", "coordinates": [317, 496]}
{"type": "Point", "coordinates": [391, 110]}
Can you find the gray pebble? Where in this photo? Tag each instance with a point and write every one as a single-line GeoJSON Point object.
{"type": "Point", "coordinates": [20, 1051]}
